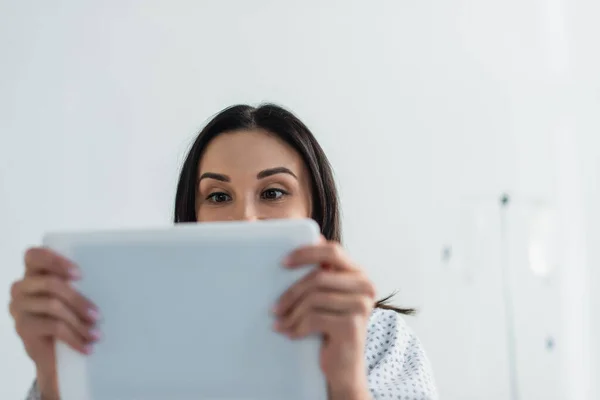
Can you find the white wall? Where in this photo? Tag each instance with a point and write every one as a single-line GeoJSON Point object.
{"type": "Point", "coordinates": [428, 111]}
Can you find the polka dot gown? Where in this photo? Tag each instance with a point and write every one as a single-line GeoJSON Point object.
{"type": "Point", "coordinates": [398, 368]}
{"type": "Point", "coordinates": [397, 365]}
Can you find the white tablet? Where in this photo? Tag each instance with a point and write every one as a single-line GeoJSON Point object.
{"type": "Point", "coordinates": [186, 314]}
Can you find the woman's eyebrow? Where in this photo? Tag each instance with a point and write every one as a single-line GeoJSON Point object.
{"type": "Point", "coordinates": [212, 175]}
{"type": "Point", "coordinates": [273, 171]}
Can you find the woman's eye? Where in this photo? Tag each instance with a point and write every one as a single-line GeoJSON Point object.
{"type": "Point", "coordinates": [218, 197]}
{"type": "Point", "coordinates": [273, 194]}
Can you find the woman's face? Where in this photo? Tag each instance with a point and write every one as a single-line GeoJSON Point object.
{"type": "Point", "coordinates": [251, 175]}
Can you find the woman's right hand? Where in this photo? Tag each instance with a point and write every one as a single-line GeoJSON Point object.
{"type": "Point", "coordinates": [46, 307]}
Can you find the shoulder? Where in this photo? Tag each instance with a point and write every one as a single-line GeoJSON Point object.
{"type": "Point", "coordinates": [397, 363]}
{"type": "Point", "coordinates": [387, 325]}
{"type": "Point", "coordinates": [387, 335]}
{"type": "Point", "coordinates": [391, 343]}
{"type": "Point", "coordinates": [384, 319]}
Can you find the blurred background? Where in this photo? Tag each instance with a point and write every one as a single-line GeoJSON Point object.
{"type": "Point", "coordinates": [465, 136]}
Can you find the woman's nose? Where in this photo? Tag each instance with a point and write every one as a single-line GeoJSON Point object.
{"type": "Point", "coordinates": [246, 211]}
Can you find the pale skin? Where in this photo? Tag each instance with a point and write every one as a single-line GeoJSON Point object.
{"type": "Point", "coordinates": [244, 175]}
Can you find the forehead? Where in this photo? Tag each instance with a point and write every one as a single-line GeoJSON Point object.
{"type": "Point", "coordinates": [249, 150]}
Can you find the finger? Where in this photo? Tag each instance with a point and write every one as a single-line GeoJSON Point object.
{"type": "Point", "coordinates": [317, 323]}
{"type": "Point", "coordinates": [52, 286]}
{"type": "Point", "coordinates": [354, 282]}
{"type": "Point", "coordinates": [40, 260]}
{"type": "Point", "coordinates": [54, 308]}
{"type": "Point", "coordinates": [330, 253]}
{"type": "Point", "coordinates": [346, 326]}
{"type": "Point", "coordinates": [294, 292]}
{"type": "Point", "coordinates": [327, 303]}
{"type": "Point", "coordinates": [44, 326]}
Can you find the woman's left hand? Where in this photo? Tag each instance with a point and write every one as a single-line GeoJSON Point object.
{"type": "Point", "coordinates": [335, 300]}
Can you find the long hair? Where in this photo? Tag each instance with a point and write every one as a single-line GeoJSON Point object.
{"type": "Point", "coordinates": [286, 126]}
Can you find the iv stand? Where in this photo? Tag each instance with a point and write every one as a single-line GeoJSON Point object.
{"type": "Point", "coordinates": [507, 298]}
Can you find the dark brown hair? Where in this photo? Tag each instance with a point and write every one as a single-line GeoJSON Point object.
{"type": "Point", "coordinates": [286, 126]}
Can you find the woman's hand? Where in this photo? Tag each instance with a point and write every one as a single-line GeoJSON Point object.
{"type": "Point", "coordinates": [336, 301]}
{"type": "Point", "coordinates": [46, 308]}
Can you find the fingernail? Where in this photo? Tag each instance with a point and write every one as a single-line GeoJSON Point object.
{"type": "Point", "coordinates": [74, 273]}
{"type": "Point", "coordinates": [94, 314]}
{"type": "Point", "coordinates": [95, 334]}
{"type": "Point", "coordinates": [287, 261]}
{"type": "Point", "coordinates": [88, 349]}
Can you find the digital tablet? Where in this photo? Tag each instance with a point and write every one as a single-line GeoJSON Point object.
{"type": "Point", "coordinates": [186, 314]}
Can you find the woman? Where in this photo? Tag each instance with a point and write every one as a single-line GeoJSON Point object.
{"type": "Point", "coordinates": [250, 164]}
